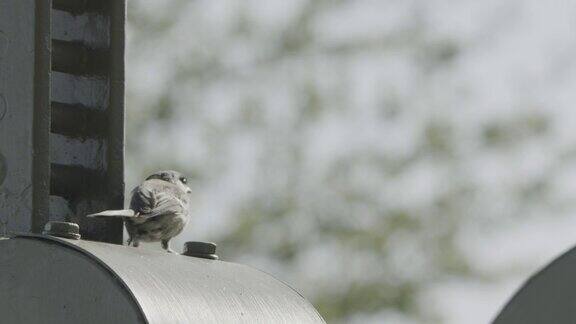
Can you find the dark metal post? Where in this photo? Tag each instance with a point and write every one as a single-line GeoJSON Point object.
{"type": "Point", "coordinates": [24, 114]}
{"type": "Point", "coordinates": [61, 114]}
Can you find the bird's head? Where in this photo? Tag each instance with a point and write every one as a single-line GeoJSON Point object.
{"type": "Point", "coordinates": [174, 177]}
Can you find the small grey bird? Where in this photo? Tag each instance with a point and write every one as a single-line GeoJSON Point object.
{"type": "Point", "coordinates": [158, 209]}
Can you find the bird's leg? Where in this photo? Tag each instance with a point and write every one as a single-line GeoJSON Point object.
{"type": "Point", "coordinates": [166, 246]}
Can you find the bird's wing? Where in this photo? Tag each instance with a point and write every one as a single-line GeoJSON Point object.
{"type": "Point", "coordinates": [151, 201]}
{"type": "Point", "coordinates": [114, 213]}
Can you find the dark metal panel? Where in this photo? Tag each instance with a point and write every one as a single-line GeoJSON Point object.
{"type": "Point", "coordinates": [24, 114]}
{"type": "Point", "coordinates": [41, 122]}
{"type": "Point", "coordinates": [547, 297]}
{"type": "Point", "coordinates": [77, 58]}
{"type": "Point", "coordinates": [178, 289]}
{"type": "Point", "coordinates": [79, 6]}
{"type": "Point", "coordinates": [77, 121]}
{"type": "Point", "coordinates": [115, 135]}
{"type": "Point", "coordinates": [43, 283]}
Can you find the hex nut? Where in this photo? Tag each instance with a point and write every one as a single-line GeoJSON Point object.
{"type": "Point", "coordinates": [62, 229]}
{"type": "Point", "coordinates": [205, 250]}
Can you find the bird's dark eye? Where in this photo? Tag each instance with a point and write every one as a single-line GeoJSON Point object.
{"type": "Point", "coordinates": [184, 180]}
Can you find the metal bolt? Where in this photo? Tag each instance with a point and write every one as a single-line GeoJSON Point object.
{"type": "Point", "coordinates": [205, 250]}
{"type": "Point", "coordinates": [62, 229]}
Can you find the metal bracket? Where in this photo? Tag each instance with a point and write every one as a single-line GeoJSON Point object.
{"type": "Point", "coordinates": [62, 114]}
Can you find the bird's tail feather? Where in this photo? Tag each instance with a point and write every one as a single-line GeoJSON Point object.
{"type": "Point", "coordinates": [115, 213]}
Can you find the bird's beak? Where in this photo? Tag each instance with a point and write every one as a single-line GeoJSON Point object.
{"type": "Point", "coordinates": [188, 191]}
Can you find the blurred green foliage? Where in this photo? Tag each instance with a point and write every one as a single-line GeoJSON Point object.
{"type": "Point", "coordinates": [363, 228]}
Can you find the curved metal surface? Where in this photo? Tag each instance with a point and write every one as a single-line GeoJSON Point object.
{"type": "Point", "coordinates": [179, 289]}
{"type": "Point", "coordinates": [43, 283]}
{"type": "Point", "coordinates": [549, 296]}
